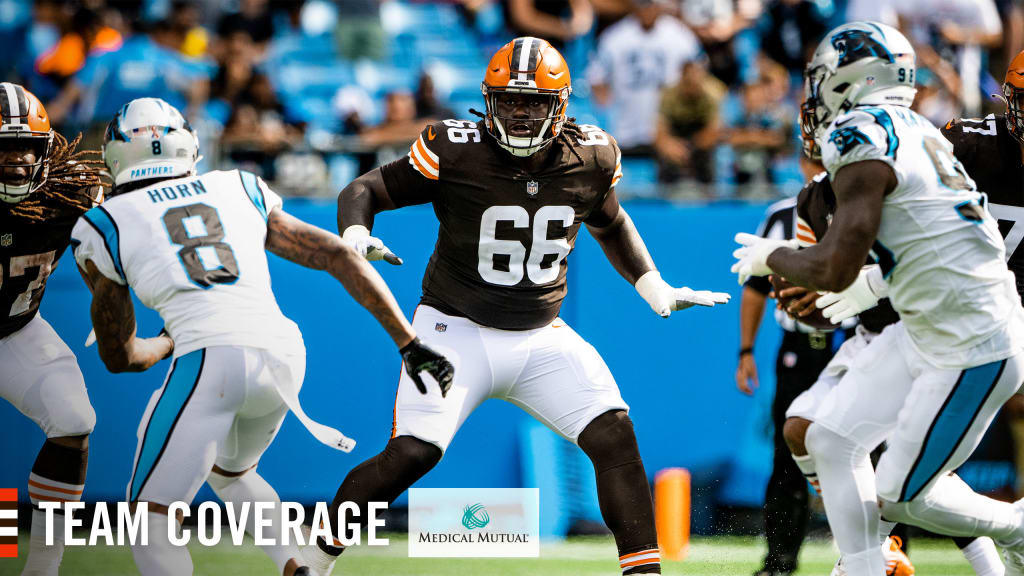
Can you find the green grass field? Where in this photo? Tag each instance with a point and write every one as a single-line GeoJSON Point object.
{"type": "Point", "coordinates": [575, 557]}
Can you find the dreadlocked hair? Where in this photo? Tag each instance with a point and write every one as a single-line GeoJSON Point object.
{"type": "Point", "coordinates": [71, 185]}
{"type": "Point", "coordinates": [569, 127]}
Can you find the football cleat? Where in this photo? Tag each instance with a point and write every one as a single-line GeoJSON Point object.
{"type": "Point", "coordinates": [896, 562]}
{"type": "Point", "coordinates": [767, 572]}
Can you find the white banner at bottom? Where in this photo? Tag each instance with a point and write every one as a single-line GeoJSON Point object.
{"type": "Point", "coordinates": [474, 522]}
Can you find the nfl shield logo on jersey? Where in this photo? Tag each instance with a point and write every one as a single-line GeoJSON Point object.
{"type": "Point", "coordinates": [440, 327]}
{"type": "Point", "coordinates": [6, 240]}
{"type": "Point", "coordinates": [532, 188]}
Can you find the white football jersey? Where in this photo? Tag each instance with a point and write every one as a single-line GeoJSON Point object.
{"type": "Point", "coordinates": [938, 246]}
{"type": "Point", "coordinates": [193, 249]}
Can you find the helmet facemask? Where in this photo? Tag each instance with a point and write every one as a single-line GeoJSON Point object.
{"type": "Point", "coordinates": [524, 120]}
{"type": "Point", "coordinates": [808, 125]}
{"type": "Point", "coordinates": [18, 180]}
{"type": "Point", "coordinates": [1014, 98]}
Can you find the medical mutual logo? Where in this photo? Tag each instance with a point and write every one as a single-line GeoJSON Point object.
{"type": "Point", "coordinates": [474, 523]}
{"type": "Point", "coordinates": [475, 516]}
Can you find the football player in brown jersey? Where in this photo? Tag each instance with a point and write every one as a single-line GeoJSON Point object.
{"type": "Point", "coordinates": [45, 185]}
{"type": "Point", "coordinates": [511, 192]}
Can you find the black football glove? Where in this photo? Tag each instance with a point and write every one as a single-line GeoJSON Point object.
{"type": "Point", "coordinates": [418, 357]}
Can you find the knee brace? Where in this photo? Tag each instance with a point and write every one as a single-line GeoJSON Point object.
{"type": "Point", "coordinates": [609, 441]}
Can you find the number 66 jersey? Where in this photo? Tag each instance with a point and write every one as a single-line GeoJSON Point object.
{"type": "Point", "coordinates": [938, 246]}
{"type": "Point", "coordinates": [505, 231]}
{"type": "Point", "coordinates": [193, 249]}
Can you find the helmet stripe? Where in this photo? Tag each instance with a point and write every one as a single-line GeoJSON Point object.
{"type": "Point", "coordinates": [22, 100]}
{"type": "Point", "coordinates": [12, 111]}
{"type": "Point", "coordinates": [525, 49]}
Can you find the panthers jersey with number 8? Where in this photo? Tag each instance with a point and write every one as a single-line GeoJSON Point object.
{"type": "Point", "coordinates": [505, 231]}
{"type": "Point", "coordinates": [938, 245]}
{"type": "Point", "coordinates": [193, 249]}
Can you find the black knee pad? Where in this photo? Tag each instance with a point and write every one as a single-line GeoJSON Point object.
{"type": "Point", "coordinates": [62, 463]}
{"type": "Point", "coordinates": [407, 459]}
{"type": "Point", "coordinates": [609, 441]}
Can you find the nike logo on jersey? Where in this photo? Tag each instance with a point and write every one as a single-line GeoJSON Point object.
{"type": "Point", "coordinates": [838, 124]}
{"type": "Point", "coordinates": [430, 133]}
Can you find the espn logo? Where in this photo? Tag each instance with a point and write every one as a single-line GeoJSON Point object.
{"type": "Point", "coordinates": [8, 522]}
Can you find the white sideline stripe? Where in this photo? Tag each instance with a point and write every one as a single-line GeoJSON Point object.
{"type": "Point", "coordinates": [8, 514]}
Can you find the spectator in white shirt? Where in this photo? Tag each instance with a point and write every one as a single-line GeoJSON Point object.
{"type": "Point", "coordinates": [636, 58]}
{"type": "Point", "coordinates": [960, 31]}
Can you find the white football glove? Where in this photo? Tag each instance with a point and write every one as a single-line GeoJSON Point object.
{"type": "Point", "coordinates": [665, 300]}
{"type": "Point", "coordinates": [371, 248]}
{"type": "Point", "coordinates": [864, 294]}
{"type": "Point", "coordinates": [752, 255]}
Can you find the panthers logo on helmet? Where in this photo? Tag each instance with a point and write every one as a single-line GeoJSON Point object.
{"type": "Point", "coordinates": [854, 45]}
{"type": "Point", "coordinates": [847, 138]}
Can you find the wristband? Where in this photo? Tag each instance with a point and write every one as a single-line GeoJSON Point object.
{"type": "Point", "coordinates": [747, 350]}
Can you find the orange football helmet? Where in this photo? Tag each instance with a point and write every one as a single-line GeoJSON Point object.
{"type": "Point", "coordinates": [1013, 93]}
{"type": "Point", "coordinates": [537, 75]}
{"type": "Point", "coordinates": [24, 130]}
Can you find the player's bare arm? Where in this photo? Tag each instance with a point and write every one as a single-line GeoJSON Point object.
{"type": "Point", "coordinates": [614, 230]}
{"type": "Point", "coordinates": [833, 264]}
{"type": "Point", "coordinates": [358, 203]}
{"type": "Point", "coordinates": [315, 248]}
{"type": "Point", "coordinates": [113, 319]}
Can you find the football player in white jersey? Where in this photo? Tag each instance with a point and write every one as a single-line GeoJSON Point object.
{"type": "Point", "coordinates": [193, 247]}
{"type": "Point", "coordinates": [931, 384]}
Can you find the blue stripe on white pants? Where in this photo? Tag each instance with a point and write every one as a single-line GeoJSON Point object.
{"type": "Point", "coordinates": [180, 385]}
{"type": "Point", "coordinates": [951, 424]}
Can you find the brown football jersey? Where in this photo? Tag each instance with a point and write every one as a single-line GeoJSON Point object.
{"type": "Point", "coordinates": [505, 231]}
{"type": "Point", "coordinates": [991, 157]}
{"type": "Point", "coordinates": [29, 251]}
{"type": "Point", "coordinates": [814, 209]}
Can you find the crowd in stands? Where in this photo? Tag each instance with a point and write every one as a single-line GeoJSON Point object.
{"type": "Point", "coordinates": [701, 95]}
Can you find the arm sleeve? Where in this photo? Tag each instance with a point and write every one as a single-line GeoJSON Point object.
{"type": "Point", "coordinates": [415, 178]}
{"type": "Point", "coordinates": [88, 243]}
{"type": "Point", "coordinates": [858, 136]}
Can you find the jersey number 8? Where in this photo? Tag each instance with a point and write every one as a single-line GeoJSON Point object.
{"type": "Point", "coordinates": [543, 249]}
{"type": "Point", "coordinates": [196, 227]}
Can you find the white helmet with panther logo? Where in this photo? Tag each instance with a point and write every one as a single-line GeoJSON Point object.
{"type": "Point", "coordinates": [149, 139]}
{"type": "Point", "coordinates": [856, 64]}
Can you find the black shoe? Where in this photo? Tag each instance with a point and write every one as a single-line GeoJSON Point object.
{"type": "Point", "coordinates": [303, 571]}
{"type": "Point", "coordinates": [767, 572]}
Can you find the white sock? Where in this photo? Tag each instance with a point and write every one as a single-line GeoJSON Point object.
{"type": "Point", "coordinates": [251, 487]}
{"type": "Point", "coordinates": [866, 563]}
{"type": "Point", "coordinates": [806, 465]}
{"type": "Point", "coordinates": [848, 490]}
{"type": "Point", "coordinates": [321, 562]}
{"type": "Point", "coordinates": [884, 529]}
{"type": "Point", "coordinates": [951, 507]}
{"type": "Point", "coordinates": [44, 560]}
{"type": "Point", "coordinates": [160, 557]}
{"type": "Point", "coordinates": [983, 557]}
